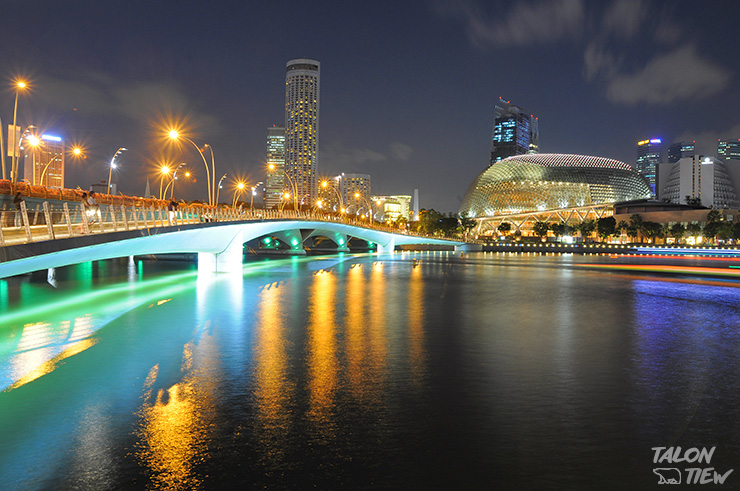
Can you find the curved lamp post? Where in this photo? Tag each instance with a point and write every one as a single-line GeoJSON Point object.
{"type": "Point", "coordinates": [237, 192]}
{"type": "Point", "coordinates": [218, 189]}
{"type": "Point", "coordinates": [175, 135]}
{"type": "Point", "coordinates": [19, 85]}
{"type": "Point", "coordinates": [325, 184]}
{"type": "Point", "coordinates": [113, 165]}
{"type": "Point", "coordinates": [76, 152]}
{"type": "Point", "coordinates": [292, 186]}
{"type": "Point", "coordinates": [164, 171]}
{"type": "Point", "coordinates": [172, 181]}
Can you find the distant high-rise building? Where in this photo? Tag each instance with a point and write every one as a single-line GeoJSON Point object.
{"type": "Point", "coordinates": [728, 149]}
{"type": "Point", "coordinates": [649, 155]}
{"type": "Point", "coordinates": [43, 162]}
{"type": "Point", "coordinates": [679, 150]}
{"type": "Point", "coordinates": [275, 180]}
{"type": "Point", "coordinates": [515, 132]}
{"type": "Point", "coordinates": [302, 127]}
{"type": "Point", "coordinates": [355, 190]}
{"type": "Point", "coordinates": [705, 178]}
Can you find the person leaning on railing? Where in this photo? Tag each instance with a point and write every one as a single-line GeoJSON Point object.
{"type": "Point", "coordinates": [17, 202]}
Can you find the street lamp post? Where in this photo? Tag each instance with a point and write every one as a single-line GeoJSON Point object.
{"type": "Point", "coordinates": [16, 141]}
{"type": "Point", "coordinates": [325, 184]}
{"type": "Point", "coordinates": [164, 171]}
{"type": "Point", "coordinates": [237, 192]}
{"type": "Point", "coordinates": [292, 186]}
{"type": "Point", "coordinates": [172, 181]}
{"type": "Point", "coordinates": [75, 152]}
{"type": "Point", "coordinates": [113, 165]}
{"type": "Point", "coordinates": [175, 135]}
{"type": "Point", "coordinates": [218, 189]}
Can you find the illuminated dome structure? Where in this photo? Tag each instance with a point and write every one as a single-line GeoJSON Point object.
{"type": "Point", "coordinates": [540, 182]}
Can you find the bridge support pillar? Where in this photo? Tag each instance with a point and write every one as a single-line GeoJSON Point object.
{"type": "Point", "coordinates": [228, 260]}
{"type": "Point", "coordinates": [388, 247]}
{"type": "Point", "coordinates": [294, 240]}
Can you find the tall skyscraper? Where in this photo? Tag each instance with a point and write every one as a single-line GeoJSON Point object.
{"type": "Point", "coordinates": [679, 150]}
{"type": "Point", "coordinates": [43, 161]}
{"type": "Point", "coordinates": [728, 149]}
{"type": "Point", "coordinates": [275, 180]}
{"type": "Point", "coordinates": [302, 127]}
{"type": "Point", "coordinates": [514, 132]}
{"type": "Point", "coordinates": [649, 155]}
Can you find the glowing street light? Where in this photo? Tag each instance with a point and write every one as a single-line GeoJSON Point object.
{"type": "Point", "coordinates": [175, 135]}
{"type": "Point", "coordinates": [293, 186]}
{"type": "Point", "coordinates": [164, 171]}
{"type": "Point", "coordinates": [237, 192]}
{"type": "Point", "coordinates": [325, 184]}
{"type": "Point", "coordinates": [113, 165]}
{"type": "Point", "coordinates": [172, 181]}
{"type": "Point", "coordinates": [76, 152]}
{"type": "Point", "coordinates": [19, 85]}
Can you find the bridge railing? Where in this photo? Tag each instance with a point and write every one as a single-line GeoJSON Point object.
{"type": "Point", "coordinates": [44, 221]}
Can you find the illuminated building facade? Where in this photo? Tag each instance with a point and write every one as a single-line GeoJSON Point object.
{"type": "Point", "coordinates": [275, 180]}
{"type": "Point", "coordinates": [649, 155]}
{"type": "Point", "coordinates": [302, 126]}
{"type": "Point", "coordinates": [355, 184]}
{"type": "Point", "coordinates": [536, 183]}
{"type": "Point", "coordinates": [679, 150]}
{"type": "Point", "coordinates": [728, 149]}
{"type": "Point", "coordinates": [43, 164]}
{"type": "Point", "coordinates": [704, 178]}
{"type": "Point", "coordinates": [514, 132]}
{"type": "Point", "coordinates": [390, 208]}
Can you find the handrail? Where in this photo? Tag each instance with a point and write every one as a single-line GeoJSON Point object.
{"type": "Point", "coordinates": [75, 218]}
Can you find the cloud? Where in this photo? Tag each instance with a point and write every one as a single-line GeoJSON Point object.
{"type": "Point", "coordinates": [679, 75]}
{"type": "Point", "coordinates": [401, 151]}
{"type": "Point", "coordinates": [336, 158]}
{"type": "Point", "coordinates": [599, 62]}
{"type": "Point", "coordinates": [526, 23]}
{"type": "Point", "coordinates": [138, 102]}
{"type": "Point", "coordinates": [624, 18]}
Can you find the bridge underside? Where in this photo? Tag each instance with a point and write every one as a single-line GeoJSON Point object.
{"type": "Point", "coordinates": [220, 246]}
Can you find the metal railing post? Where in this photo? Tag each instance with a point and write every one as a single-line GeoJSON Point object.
{"type": "Point", "coordinates": [136, 218]}
{"type": "Point", "coordinates": [125, 220]}
{"type": "Point", "coordinates": [85, 223]}
{"type": "Point", "coordinates": [24, 217]}
{"type": "Point", "coordinates": [112, 212]}
{"type": "Point", "coordinates": [47, 217]}
{"type": "Point", "coordinates": [67, 219]}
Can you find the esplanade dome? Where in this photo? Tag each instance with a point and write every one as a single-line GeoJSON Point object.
{"type": "Point", "coordinates": [539, 182]}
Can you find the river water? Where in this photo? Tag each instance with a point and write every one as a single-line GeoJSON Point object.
{"type": "Point", "coordinates": [411, 371]}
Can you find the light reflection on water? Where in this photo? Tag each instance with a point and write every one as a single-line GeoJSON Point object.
{"type": "Point", "coordinates": [523, 371]}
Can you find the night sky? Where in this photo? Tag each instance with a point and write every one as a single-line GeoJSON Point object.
{"type": "Point", "coordinates": [407, 88]}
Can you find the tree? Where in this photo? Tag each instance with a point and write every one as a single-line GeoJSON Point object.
{"type": "Point", "coordinates": [540, 228]}
{"type": "Point", "coordinates": [714, 216]}
{"type": "Point", "coordinates": [652, 229]}
{"type": "Point", "coordinates": [467, 224]}
{"type": "Point", "coordinates": [693, 229]}
{"type": "Point", "coordinates": [736, 230]}
{"type": "Point", "coordinates": [559, 229]}
{"type": "Point", "coordinates": [633, 230]}
{"type": "Point", "coordinates": [606, 226]}
{"type": "Point", "coordinates": [586, 228]}
{"type": "Point", "coordinates": [504, 228]}
{"type": "Point", "coordinates": [692, 201]}
{"type": "Point", "coordinates": [448, 225]}
{"type": "Point", "coordinates": [677, 231]}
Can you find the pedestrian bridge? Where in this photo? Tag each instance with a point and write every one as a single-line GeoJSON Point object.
{"type": "Point", "coordinates": [219, 244]}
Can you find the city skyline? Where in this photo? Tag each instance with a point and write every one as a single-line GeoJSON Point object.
{"type": "Point", "coordinates": [409, 90]}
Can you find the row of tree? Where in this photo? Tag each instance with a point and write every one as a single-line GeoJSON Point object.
{"type": "Point", "coordinates": [638, 229]}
